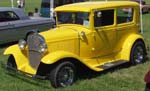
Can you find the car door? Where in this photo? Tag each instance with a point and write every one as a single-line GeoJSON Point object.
{"type": "Point", "coordinates": [5, 32]}
{"type": "Point", "coordinates": [125, 24]}
{"type": "Point", "coordinates": [105, 34]}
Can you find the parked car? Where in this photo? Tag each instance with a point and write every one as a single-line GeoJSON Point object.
{"type": "Point", "coordinates": [98, 35]}
{"type": "Point", "coordinates": [15, 25]}
{"type": "Point", "coordinates": [145, 7]}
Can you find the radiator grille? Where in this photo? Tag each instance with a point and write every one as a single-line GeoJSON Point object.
{"type": "Point", "coordinates": [34, 55]}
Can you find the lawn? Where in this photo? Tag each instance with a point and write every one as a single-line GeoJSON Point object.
{"type": "Point", "coordinates": [30, 4]}
{"type": "Point", "coordinates": [117, 79]}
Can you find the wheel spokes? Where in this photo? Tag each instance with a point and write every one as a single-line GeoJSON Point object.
{"type": "Point", "coordinates": [66, 76]}
{"type": "Point", "coordinates": [139, 54]}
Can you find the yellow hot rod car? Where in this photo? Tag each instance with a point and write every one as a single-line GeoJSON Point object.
{"type": "Point", "coordinates": [98, 35]}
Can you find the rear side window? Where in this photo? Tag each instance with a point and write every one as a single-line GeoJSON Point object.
{"type": "Point", "coordinates": [124, 15]}
{"type": "Point", "coordinates": [8, 16]}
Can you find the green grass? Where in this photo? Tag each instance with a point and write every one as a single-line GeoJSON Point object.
{"type": "Point", "coordinates": [29, 4]}
{"type": "Point", "coordinates": [118, 79]}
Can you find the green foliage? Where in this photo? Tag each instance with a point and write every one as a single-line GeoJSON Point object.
{"type": "Point", "coordinates": [118, 79]}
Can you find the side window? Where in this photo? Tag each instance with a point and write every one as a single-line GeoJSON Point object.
{"type": "Point", "coordinates": [124, 15]}
{"type": "Point", "coordinates": [103, 18]}
{"type": "Point", "coordinates": [8, 16]}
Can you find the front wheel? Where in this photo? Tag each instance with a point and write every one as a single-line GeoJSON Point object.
{"type": "Point", "coordinates": [11, 64]}
{"type": "Point", "coordinates": [63, 75]}
{"type": "Point", "coordinates": [138, 53]}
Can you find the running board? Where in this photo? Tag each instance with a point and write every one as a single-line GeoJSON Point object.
{"type": "Point", "coordinates": [112, 64]}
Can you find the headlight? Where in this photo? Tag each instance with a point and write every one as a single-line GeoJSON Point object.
{"type": "Point", "coordinates": [22, 44]}
{"type": "Point", "coordinates": [43, 48]}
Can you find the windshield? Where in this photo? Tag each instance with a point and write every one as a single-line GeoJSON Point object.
{"type": "Point", "coordinates": [81, 18]}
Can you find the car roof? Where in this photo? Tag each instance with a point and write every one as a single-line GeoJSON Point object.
{"type": "Point", "coordinates": [7, 9]}
{"type": "Point", "coordinates": [91, 5]}
{"type": "Point", "coordinates": [19, 12]}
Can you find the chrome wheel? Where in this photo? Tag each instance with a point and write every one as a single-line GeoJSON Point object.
{"type": "Point", "coordinates": [138, 53]}
{"type": "Point", "coordinates": [65, 76]}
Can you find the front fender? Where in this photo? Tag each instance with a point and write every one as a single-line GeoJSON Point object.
{"type": "Point", "coordinates": [11, 50]}
{"type": "Point", "coordinates": [21, 58]}
{"type": "Point", "coordinates": [15, 51]}
{"type": "Point", "coordinates": [127, 46]}
{"type": "Point", "coordinates": [56, 56]}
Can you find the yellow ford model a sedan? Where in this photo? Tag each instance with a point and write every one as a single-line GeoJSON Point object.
{"type": "Point", "coordinates": [98, 35]}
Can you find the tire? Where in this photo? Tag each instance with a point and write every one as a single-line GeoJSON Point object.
{"type": "Point", "coordinates": [138, 53]}
{"type": "Point", "coordinates": [11, 64]}
{"type": "Point", "coordinates": [64, 74]}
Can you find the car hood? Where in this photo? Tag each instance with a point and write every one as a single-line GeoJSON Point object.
{"type": "Point", "coordinates": [62, 33]}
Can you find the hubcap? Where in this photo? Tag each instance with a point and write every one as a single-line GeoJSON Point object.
{"type": "Point", "coordinates": [138, 54]}
{"type": "Point", "coordinates": [66, 76]}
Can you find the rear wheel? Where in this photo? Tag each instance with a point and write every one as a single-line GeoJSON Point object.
{"type": "Point", "coordinates": [63, 75]}
{"type": "Point", "coordinates": [11, 64]}
{"type": "Point", "coordinates": [138, 53]}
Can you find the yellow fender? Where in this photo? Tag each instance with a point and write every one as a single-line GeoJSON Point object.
{"type": "Point", "coordinates": [56, 56]}
{"type": "Point", "coordinates": [17, 53]}
{"type": "Point", "coordinates": [20, 58]}
{"type": "Point", "coordinates": [14, 50]}
{"type": "Point", "coordinates": [127, 46]}
{"type": "Point", "coordinates": [11, 50]}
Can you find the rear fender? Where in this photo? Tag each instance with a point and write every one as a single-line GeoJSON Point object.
{"type": "Point", "coordinates": [127, 46]}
